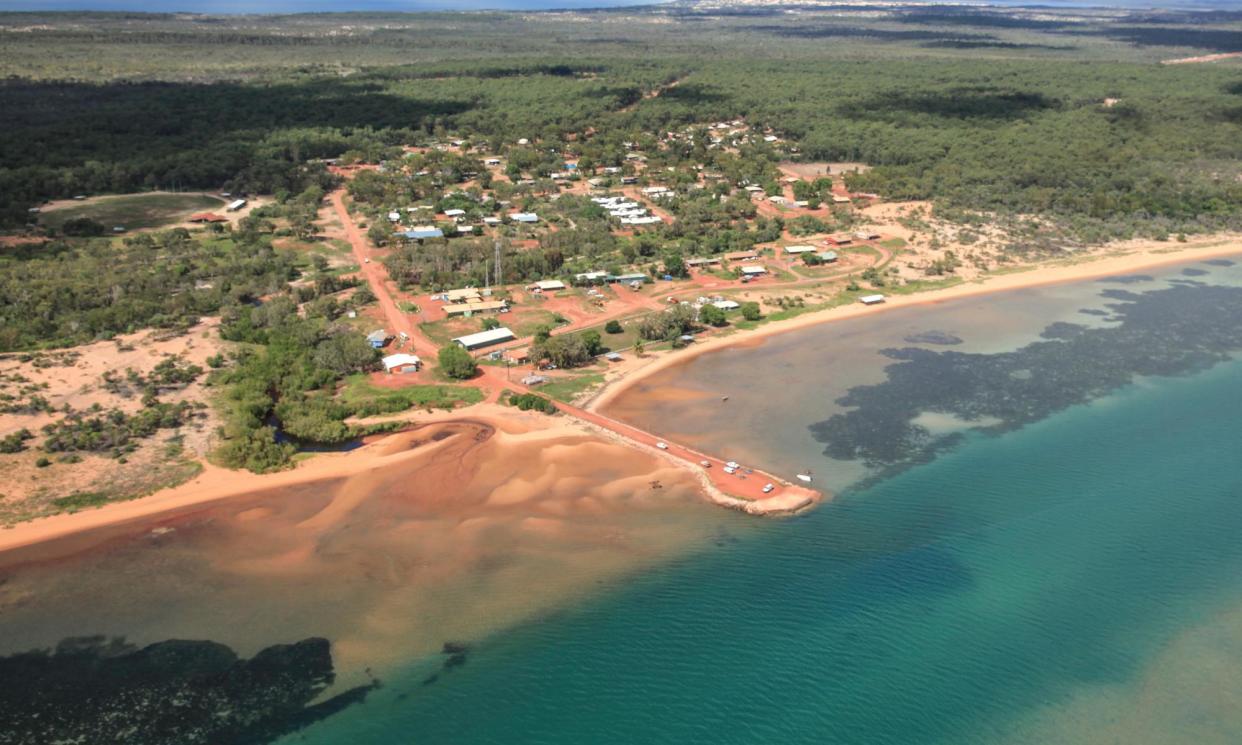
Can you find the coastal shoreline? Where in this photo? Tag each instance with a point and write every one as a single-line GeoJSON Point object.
{"type": "Point", "coordinates": [1152, 256]}
{"type": "Point", "coordinates": [215, 484]}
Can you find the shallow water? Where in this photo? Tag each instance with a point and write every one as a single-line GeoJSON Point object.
{"type": "Point", "coordinates": [1077, 579]}
{"type": "Point", "coordinates": [1053, 558]}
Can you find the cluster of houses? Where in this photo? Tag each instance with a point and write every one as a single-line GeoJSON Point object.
{"type": "Point", "coordinates": [628, 212]}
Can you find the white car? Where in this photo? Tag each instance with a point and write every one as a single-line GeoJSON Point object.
{"type": "Point", "coordinates": [768, 488]}
{"type": "Point", "coordinates": [729, 470]}
{"type": "Point", "coordinates": [662, 445]}
{"type": "Point", "coordinates": [705, 463]}
{"type": "Point", "coordinates": [733, 464]}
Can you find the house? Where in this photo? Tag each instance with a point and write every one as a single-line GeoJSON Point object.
{"type": "Point", "coordinates": [753, 270]}
{"type": "Point", "coordinates": [629, 180]}
{"type": "Point", "coordinates": [464, 295]}
{"type": "Point", "coordinates": [754, 189]}
{"type": "Point", "coordinates": [492, 161]}
{"type": "Point", "coordinates": [703, 262]}
{"type": "Point", "coordinates": [491, 221]}
{"type": "Point", "coordinates": [454, 213]}
{"type": "Point", "coordinates": [841, 239]}
{"type": "Point", "coordinates": [867, 235]}
{"type": "Point", "coordinates": [465, 229]}
{"type": "Point", "coordinates": [481, 306]}
{"type": "Point", "coordinates": [423, 233]}
{"type": "Point", "coordinates": [549, 285]}
{"type": "Point", "coordinates": [377, 338]}
{"type": "Point", "coordinates": [742, 255]}
{"type": "Point", "coordinates": [401, 363]}
{"type": "Point", "coordinates": [727, 304]}
{"type": "Point", "coordinates": [518, 356]}
{"type": "Point", "coordinates": [839, 199]}
{"type": "Point", "coordinates": [530, 380]}
{"type": "Point", "coordinates": [871, 299]}
{"type": "Point", "coordinates": [207, 217]}
{"type": "Point", "coordinates": [236, 204]}
{"type": "Point", "coordinates": [485, 338]}
{"type": "Point", "coordinates": [827, 257]}
{"type": "Point", "coordinates": [795, 250]}
{"type": "Point", "coordinates": [528, 218]}
{"type": "Point", "coordinates": [591, 278]}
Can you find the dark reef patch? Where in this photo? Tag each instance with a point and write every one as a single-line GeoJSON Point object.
{"type": "Point", "coordinates": [1219, 262]}
{"type": "Point", "coordinates": [1178, 330]}
{"type": "Point", "coordinates": [1128, 279]}
{"type": "Point", "coordinates": [1192, 272]}
{"type": "Point", "coordinates": [942, 338]}
{"type": "Point", "coordinates": [97, 690]}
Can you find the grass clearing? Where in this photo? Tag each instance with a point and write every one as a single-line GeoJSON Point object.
{"type": "Point", "coordinates": [134, 211]}
{"type": "Point", "coordinates": [570, 386]}
{"type": "Point", "coordinates": [367, 399]}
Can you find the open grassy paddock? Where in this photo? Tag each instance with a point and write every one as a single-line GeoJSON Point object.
{"type": "Point", "coordinates": [133, 211]}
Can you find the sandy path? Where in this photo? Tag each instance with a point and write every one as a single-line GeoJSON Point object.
{"type": "Point", "coordinates": [1147, 257]}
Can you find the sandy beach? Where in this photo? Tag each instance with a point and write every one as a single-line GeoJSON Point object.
{"type": "Point", "coordinates": [1129, 259]}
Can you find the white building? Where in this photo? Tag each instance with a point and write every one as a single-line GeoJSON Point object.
{"type": "Point", "coordinates": [485, 338]}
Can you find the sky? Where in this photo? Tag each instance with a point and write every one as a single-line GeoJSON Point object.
{"type": "Point", "coordinates": [308, 6]}
{"type": "Point", "coordinates": [323, 6]}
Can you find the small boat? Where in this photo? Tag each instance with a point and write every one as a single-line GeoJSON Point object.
{"type": "Point", "coordinates": [724, 398]}
{"type": "Point", "coordinates": [705, 463]}
{"type": "Point", "coordinates": [662, 445]}
{"type": "Point", "coordinates": [804, 477]}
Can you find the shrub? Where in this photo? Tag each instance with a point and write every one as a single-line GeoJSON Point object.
{"type": "Point", "coordinates": [750, 311]}
{"type": "Point", "coordinates": [613, 327]}
{"type": "Point", "coordinates": [531, 401]}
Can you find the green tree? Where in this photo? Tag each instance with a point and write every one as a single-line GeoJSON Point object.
{"type": "Point", "coordinates": [613, 327]}
{"type": "Point", "coordinates": [712, 315]}
{"type": "Point", "coordinates": [750, 311]}
{"type": "Point", "coordinates": [457, 363]}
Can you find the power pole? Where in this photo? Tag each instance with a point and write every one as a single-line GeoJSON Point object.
{"type": "Point", "coordinates": [496, 244]}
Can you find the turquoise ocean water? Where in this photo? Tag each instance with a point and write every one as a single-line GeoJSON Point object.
{"type": "Point", "coordinates": [1078, 580]}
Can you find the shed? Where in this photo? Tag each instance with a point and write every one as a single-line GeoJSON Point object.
{"type": "Point", "coordinates": [524, 217]}
{"type": "Point", "coordinates": [402, 363]}
{"type": "Point", "coordinates": [485, 338]}
{"type": "Point", "coordinates": [799, 249]}
{"type": "Point", "coordinates": [420, 234]}
{"type": "Point", "coordinates": [742, 255]}
{"type": "Point", "coordinates": [727, 304]}
{"type": "Point", "coordinates": [754, 270]}
{"type": "Point", "coordinates": [827, 257]}
{"type": "Point", "coordinates": [550, 285]}
{"type": "Point", "coordinates": [612, 357]}
{"type": "Point", "coordinates": [631, 277]}
{"type": "Point", "coordinates": [534, 380]}
{"type": "Point", "coordinates": [454, 213]}
{"type": "Point", "coordinates": [236, 204]}
{"type": "Point", "coordinates": [871, 299]}
{"type": "Point", "coordinates": [207, 217]}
